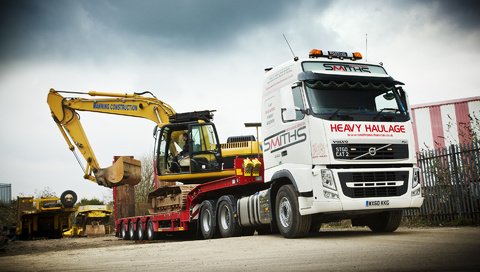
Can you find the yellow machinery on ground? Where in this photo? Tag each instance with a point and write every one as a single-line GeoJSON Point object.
{"type": "Point", "coordinates": [46, 216]}
{"type": "Point", "coordinates": [91, 220]}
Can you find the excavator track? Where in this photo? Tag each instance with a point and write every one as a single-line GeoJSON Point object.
{"type": "Point", "coordinates": [169, 199]}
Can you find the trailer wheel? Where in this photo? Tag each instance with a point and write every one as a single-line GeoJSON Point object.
{"type": "Point", "coordinates": [227, 224]}
{"type": "Point", "coordinates": [290, 223]}
{"type": "Point", "coordinates": [123, 231]}
{"type": "Point", "coordinates": [140, 232]}
{"type": "Point", "coordinates": [150, 231]}
{"type": "Point", "coordinates": [131, 230]}
{"type": "Point", "coordinates": [385, 221]}
{"type": "Point", "coordinates": [207, 219]}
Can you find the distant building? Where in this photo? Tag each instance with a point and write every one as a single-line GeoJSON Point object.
{"type": "Point", "coordinates": [441, 124]}
{"type": "Point", "coordinates": [5, 193]}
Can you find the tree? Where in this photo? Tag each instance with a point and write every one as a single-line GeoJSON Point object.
{"type": "Point", "coordinates": [145, 186]}
{"type": "Point", "coordinates": [45, 192]}
{"type": "Point", "coordinates": [92, 201]}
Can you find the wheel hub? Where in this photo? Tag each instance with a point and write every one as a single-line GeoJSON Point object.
{"type": "Point", "coordinates": [285, 212]}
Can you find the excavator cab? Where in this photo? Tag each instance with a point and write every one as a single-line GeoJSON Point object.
{"type": "Point", "coordinates": [185, 148]}
{"type": "Point", "coordinates": [188, 148]}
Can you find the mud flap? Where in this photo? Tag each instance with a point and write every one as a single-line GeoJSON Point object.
{"type": "Point", "coordinates": [125, 170]}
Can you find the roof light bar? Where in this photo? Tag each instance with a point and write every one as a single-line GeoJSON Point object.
{"type": "Point", "coordinates": [317, 53]}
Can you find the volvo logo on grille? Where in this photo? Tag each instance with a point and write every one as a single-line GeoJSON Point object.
{"type": "Point", "coordinates": [372, 151]}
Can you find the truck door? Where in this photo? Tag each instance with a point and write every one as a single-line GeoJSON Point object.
{"type": "Point", "coordinates": [290, 143]}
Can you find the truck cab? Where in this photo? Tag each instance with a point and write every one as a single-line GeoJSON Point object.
{"type": "Point", "coordinates": [338, 132]}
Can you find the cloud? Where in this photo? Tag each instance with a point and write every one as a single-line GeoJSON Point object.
{"type": "Point", "coordinates": [464, 14]}
{"type": "Point", "coordinates": [95, 29]}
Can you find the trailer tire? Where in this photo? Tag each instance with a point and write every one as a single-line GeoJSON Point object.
{"type": "Point", "coordinates": [290, 222]}
{"type": "Point", "coordinates": [123, 231]}
{"type": "Point", "coordinates": [385, 221]}
{"type": "Point", "coordinates": [150, 231]}
{"type": "Point", "coordinates": [68, 198]}
{"type": "Point", "coordinates": [140, 232]}
{"type": "Point", "coordinates": [131, 231]}
{"type": "Point", "coordinates": [227, 225]}
{"type": "Point", "coordinates": [207, 220]}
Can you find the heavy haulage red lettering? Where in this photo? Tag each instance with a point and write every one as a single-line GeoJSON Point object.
{"type": "Point", "coordinates": [367, 128]}
{"type": "Point", "coordinates": [385, 128]}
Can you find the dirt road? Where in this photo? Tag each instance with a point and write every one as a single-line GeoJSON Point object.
{"type": "Point", "coordinates": [424, 249]}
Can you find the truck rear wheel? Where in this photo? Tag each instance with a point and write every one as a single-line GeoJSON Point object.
{"type": "Point", "coordinates": [131, 230]}
{"type": "Point", "coordinates": [140, 232]}
{"type": "Point", "coordinates": [207, 220]}
{"type": "Point", "coordinates": [385, 221]}
{"type": "Point", "coordinates": [227, 224]}
{"type": "Point", "coordinates": [290, 223]}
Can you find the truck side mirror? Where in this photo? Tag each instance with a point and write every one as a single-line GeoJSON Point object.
{"type": "Point", "coordinates": [289, 114]}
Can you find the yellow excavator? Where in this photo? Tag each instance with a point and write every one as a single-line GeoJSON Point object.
{"type": "Point", "coordinates": [187, 149]}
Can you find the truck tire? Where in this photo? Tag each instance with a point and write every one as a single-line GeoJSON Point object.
{"type": "Point", "coordinates": [68, 198]}
{"type": "Point", "coordinates": [385, 221]}
{"type": "Point", "coordinates": [131, 231]}
{"type": "Point", "coordinates": [227, 225]}
{"type": "Point", "coordinates": [123, 231]}
{"type": "Point", "coordinates": [150, 231]}
{"type": "Point", "coordinates": [289, 221]}
{"type": "Point", "coordinates": [207, 219]}
{"type": "Point", "coordinates": [140, 232]}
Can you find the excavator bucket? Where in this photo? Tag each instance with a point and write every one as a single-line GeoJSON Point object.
{"type": "Point", "coordinates": [125, 170]}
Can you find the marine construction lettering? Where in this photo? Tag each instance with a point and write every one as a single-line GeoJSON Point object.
{"type": "Point", "coordinates": [113, 106]}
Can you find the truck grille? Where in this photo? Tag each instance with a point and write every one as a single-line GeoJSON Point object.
{"type": "Point", "coordinates": [374, 184]}
{"type": "Point", "coordinates": [370, 151]}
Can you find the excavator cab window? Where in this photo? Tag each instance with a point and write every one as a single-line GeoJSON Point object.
{"type": "Point", "coordinates": [188, 148]}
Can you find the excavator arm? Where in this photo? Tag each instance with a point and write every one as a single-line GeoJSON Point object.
{"type": "Point", "coordinates": [64, 112]}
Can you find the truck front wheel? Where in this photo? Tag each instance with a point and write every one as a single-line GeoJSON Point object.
{"type": "Point", "coordinates": [385, 221]}
{"type": "Point", "coordinates": [289, 221]}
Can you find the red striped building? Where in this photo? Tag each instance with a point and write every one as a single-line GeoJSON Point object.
{"type": "Point", "coordinates": [441, 124]}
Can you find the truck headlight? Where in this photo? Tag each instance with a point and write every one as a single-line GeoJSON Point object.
{"type": "Point", "coordinates": [416, 177]}
{"type": "Point", "coordinates": [327, 179]}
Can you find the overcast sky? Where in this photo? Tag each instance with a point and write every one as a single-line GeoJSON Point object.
{"type": "Point", "coordinates": [199, 55]}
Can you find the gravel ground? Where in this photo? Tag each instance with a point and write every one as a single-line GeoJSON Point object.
{"type": "Point", "coordinates": [357, 249]}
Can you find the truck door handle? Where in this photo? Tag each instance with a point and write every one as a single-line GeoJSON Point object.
{"type": "Point", "coordinates": [284, 153]}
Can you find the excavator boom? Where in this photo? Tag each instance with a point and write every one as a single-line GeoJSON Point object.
{"type": "Point", "coordinates": [125, 170]}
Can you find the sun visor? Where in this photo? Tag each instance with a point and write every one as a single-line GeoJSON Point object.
{"type": "Point", "coordinates": [317, 80]}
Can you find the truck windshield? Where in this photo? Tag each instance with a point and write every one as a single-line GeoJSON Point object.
{"type": "Point", "coordinates": [356, 102]}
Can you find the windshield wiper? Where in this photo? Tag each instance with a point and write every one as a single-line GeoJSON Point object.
{"type": "Point", "coordinates": [336, 114]}
{"type": "Point", "coordinates": [380, 112]}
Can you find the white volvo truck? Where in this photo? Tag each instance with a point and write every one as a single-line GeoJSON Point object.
{"type": "Point", "coordinates": [337, 144]}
